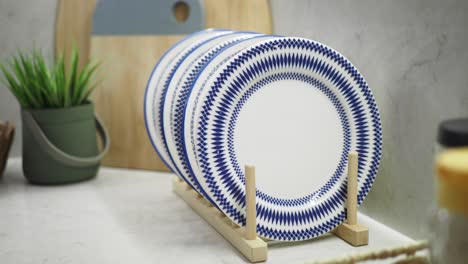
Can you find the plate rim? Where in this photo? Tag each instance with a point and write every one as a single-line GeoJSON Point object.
{"type": "Point", "coordinates": [212, 52]}
{"type": "Point", "coordinates": [186, 112]}
{"type": "Point", "coordinates": [148, 89]}
{"type": "Point", "coordinates": [362, 87]}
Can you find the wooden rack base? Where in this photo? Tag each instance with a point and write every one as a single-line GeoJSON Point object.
{"type": "Point", "coordinates": [254, 250]}
{"type": "Point", "coordinates": [245, 239]}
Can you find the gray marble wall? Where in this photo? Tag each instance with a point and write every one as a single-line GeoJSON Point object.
{"type": "Point", "coordinates": [414, 56]}
{"type": "Point", "coordinates": [24, 24]}
{"type": "Point", "coordinates": [412, 53]}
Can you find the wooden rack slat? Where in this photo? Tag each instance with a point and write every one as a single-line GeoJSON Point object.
{"type": "Point", "coordinates": [244, 239]}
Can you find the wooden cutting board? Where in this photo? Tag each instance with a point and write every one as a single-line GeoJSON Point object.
{"type": "Point", "coordinates": [128, 56]}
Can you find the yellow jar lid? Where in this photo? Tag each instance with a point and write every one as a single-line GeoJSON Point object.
{"type": "Point", "coordinates": [452, 180]}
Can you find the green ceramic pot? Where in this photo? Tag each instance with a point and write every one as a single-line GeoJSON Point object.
{"type": "Point", "coordinates": [60, 145]}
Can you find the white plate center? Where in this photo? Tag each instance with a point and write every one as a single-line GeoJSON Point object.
{"type": "Point", "coordinates": [292, 133]}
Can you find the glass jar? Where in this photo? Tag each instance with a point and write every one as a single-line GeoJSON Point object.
{"type": "Point", "coordinates": [449, 227]}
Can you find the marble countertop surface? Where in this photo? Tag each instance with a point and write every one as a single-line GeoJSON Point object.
{"type": "Point", "coordinates": [132, 216]}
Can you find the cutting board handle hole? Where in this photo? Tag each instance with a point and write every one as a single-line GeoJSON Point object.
{"type": "Point", "coordinates": [181, 11]}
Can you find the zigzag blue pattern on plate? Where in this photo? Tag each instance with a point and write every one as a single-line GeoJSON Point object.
{"type": "Point", "coordinates": [192, 116]}
{"type": "Point", "coordinates": [221, 119]}
{"type": "Point", "coordinates": [369, 153]}
{"type": "Point", "coordinates": [148, 88]}
{"type": "Point", "coordinates": [162, 100]}
{"type": "Point", "coordinates": [180, 102]}
{"type": "Point", "coordinates": [237, 192]}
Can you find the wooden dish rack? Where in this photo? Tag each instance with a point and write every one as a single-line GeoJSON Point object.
{"type": "Point", "coordinates": [254, 248]}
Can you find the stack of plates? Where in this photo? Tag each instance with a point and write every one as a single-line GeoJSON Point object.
{"type": "Point", "coordinates": [294, 108]}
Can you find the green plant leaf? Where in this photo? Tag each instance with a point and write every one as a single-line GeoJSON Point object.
{"type": "Point", "coordinates": [14, 87]}
{"type": "Point", "coordinates": [84, 83]}
{"type": "Point", "coordinates": [35, 85]}
{"type": "Point", "coordinates": [44, 80]}
{"type": "Point", "coordinates": [60, 81]}
{"type": "Point", "coordinates": [73, 73]}
{"type": "Point", "coordinates": [88, 92]}
{"type": "Point", "coordinates": [24, 84]}
{"type": "Point", "coordinates": [28, 80]}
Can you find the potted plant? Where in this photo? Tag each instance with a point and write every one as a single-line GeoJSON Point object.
{"type": "Point", "coordinates": [59, 124]}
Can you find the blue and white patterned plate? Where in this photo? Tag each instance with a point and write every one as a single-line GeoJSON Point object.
{"type": "Point", "coordinates": [178, 85]}
{"type": "Point", "coordinates": [201, 70]}
{"type": "Point", "coordinates": [294, 108]}
{"type": "Point", "coordinates": [158, 83]}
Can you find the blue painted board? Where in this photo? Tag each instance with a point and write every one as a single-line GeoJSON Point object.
{"type": "Point", "coordinates": [145, 17]}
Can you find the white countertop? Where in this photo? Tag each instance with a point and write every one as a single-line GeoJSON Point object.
{"type": "Point", "coordinates": [131, 216]}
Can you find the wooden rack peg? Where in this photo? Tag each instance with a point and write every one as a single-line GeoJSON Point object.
{"type": "Point", "coordinates": [245, 239]}
{"type": "Point", "coordinates": [351, 231]}
{"type": "Point", "coordinates": [250, 203]}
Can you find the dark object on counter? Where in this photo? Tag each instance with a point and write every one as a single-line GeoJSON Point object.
{"type": "Point", "coordinates": [7, 134]}
{"type": "Point", "coordinates": [453, 133]}
{"type": "Point", "coordinates": [60, 145]}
